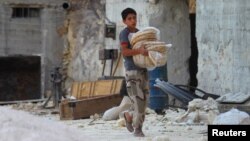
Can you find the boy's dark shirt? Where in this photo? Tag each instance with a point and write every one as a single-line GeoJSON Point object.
{"type": "Point", "coordinates": [128, 60]}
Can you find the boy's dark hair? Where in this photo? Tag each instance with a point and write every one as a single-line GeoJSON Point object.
{"type": "Point", "coordinates": [127, 11]}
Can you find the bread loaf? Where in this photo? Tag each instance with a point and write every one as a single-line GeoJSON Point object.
{"type": "Point", "coordinates": [157, 50]}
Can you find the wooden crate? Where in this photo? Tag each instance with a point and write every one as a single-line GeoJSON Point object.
{"type": "Point", "coordinates": [81, 90]}
{"type": "Point", "coordinates": [77, 109]}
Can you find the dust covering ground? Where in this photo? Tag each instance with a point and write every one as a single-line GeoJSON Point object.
{"type": "Point", "coordinates": [28, 122]}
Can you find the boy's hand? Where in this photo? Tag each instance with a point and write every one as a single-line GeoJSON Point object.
{"type": "Point", "coordinates": [143, 51]}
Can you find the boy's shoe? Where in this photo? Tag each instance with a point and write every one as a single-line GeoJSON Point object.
{"type": "Point", "coordinates": [138, 132]}
{"type": "Point", "coordinates": [128, 120]}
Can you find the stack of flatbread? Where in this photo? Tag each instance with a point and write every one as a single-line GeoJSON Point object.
{"type": "Point", "coordinates": [157, 50]}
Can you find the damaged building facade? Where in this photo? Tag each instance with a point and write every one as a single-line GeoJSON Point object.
{"type": "Point", "coordinates": [223, 42]}
{"type": "Point", "coordinates": [223, 66]}
{"type": "Point", "coordinates": [36, 36]}
{"type": "Point", "coordinates": [29, 47]}
{"type": "Point", "coordinates": [86, 22]}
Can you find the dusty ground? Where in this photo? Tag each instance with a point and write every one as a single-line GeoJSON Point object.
{"type": "Point", "coordinates": [154, 126]}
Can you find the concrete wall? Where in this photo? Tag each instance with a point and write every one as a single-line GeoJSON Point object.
{"type": "Point", "coordinates": [33, 36]}
{"type": "Point", "coordinates": [223, 41]}
{"type": "Point", "coordinates": [171, 17]}
{"type": "Point", "coordinates": [84, 38]}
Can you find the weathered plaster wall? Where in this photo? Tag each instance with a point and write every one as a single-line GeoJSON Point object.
{"type": "Point", "coordinates": [171, 17]}
{"type": "Point", "coordinates": [223, 33]}
{"type": "Point", "coordinates": [85, 36]}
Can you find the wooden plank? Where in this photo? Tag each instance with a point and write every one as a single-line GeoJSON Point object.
{"type": "Point", "coordinates": [99, 88]}
{"type": "Point", "coordinates": [65, 111]}
{"type": "Point", "coordinates": [77, 109]}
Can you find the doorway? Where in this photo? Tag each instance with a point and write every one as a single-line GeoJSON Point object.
{"type": "Point", "coordinates": [20, 78]}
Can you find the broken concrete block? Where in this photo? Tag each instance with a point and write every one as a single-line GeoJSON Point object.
{"type": "Point", "coordinates": [234, 116]}
{"type": "Point", "coordinates": [200, 111]}
{"type": "Point", "coordinates": [121, 122]}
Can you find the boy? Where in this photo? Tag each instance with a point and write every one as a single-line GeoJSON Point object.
{"type": "Point", "coordinates": [136, 77]}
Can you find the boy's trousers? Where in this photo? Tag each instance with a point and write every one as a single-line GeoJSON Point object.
{"type": "Point", "coordinates": [137, 87]}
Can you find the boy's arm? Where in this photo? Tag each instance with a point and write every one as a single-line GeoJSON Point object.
{"type": "Point", "coordinates": [124, 41]}
{"type": "Point", "coordinates": [131, 52]}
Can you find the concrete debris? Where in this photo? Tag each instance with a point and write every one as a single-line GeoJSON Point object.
{"type": "Point", "coordinates": [234, 116]}
{"type": "Point", "coordinates": [121, 122]}
{"type": "Point", "coordinates": [95, 116]}
{"type": "Point", "coordinates": [34, 108]}
{"type": "Point", "coordinates": [200, 111]}
{"type": "Point", "coordinates": [171, 115]}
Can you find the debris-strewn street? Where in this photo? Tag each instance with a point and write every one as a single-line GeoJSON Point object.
{"type": "Point", "coordinates": [124, 70]}
{"type": "Point", "coordinates": [44, 124]}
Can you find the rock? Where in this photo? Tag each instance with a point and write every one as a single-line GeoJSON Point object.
{"type": "Point", "coordinates": [234, 116]}
{"type": "Point", "coordinates": [96, 116]}
{"type": "Point", "coordinates": [161, 138]}
{"type": "Point", "coordinates": [121, 122]}
{"type": "Point", "coordinates": [29, 106]}
{"type": "Point", "coordinates": [211, 116]}
{"type": "Point", "coordinates": [200, 111]}
{"type": "Point", "coordinates": [91, 117]}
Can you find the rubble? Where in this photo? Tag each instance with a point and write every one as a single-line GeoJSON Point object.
{"type": "Point", "coordinates": [121, 122]}
{"type": "Point", "coordinates": [200, 111]}
{"type": "Point", "coordinates": [234, 116]}
{"type": "Point", "coordinates": [95, 116]}
{"type": "Point", "coordinates": [155, 126]}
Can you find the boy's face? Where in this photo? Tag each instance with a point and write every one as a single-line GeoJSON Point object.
{"type": "Point", "coordinates": [130, 21]}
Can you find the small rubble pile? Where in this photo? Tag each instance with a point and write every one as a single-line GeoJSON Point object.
{"type": "Point", "coordinates": [34, 108]}
{"type": "Point", "coordinates": [200, 111]}
{"type": "Point", "coordinates": [234, 116]}
{"type": "Point", "coordinates": [157, 50]}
